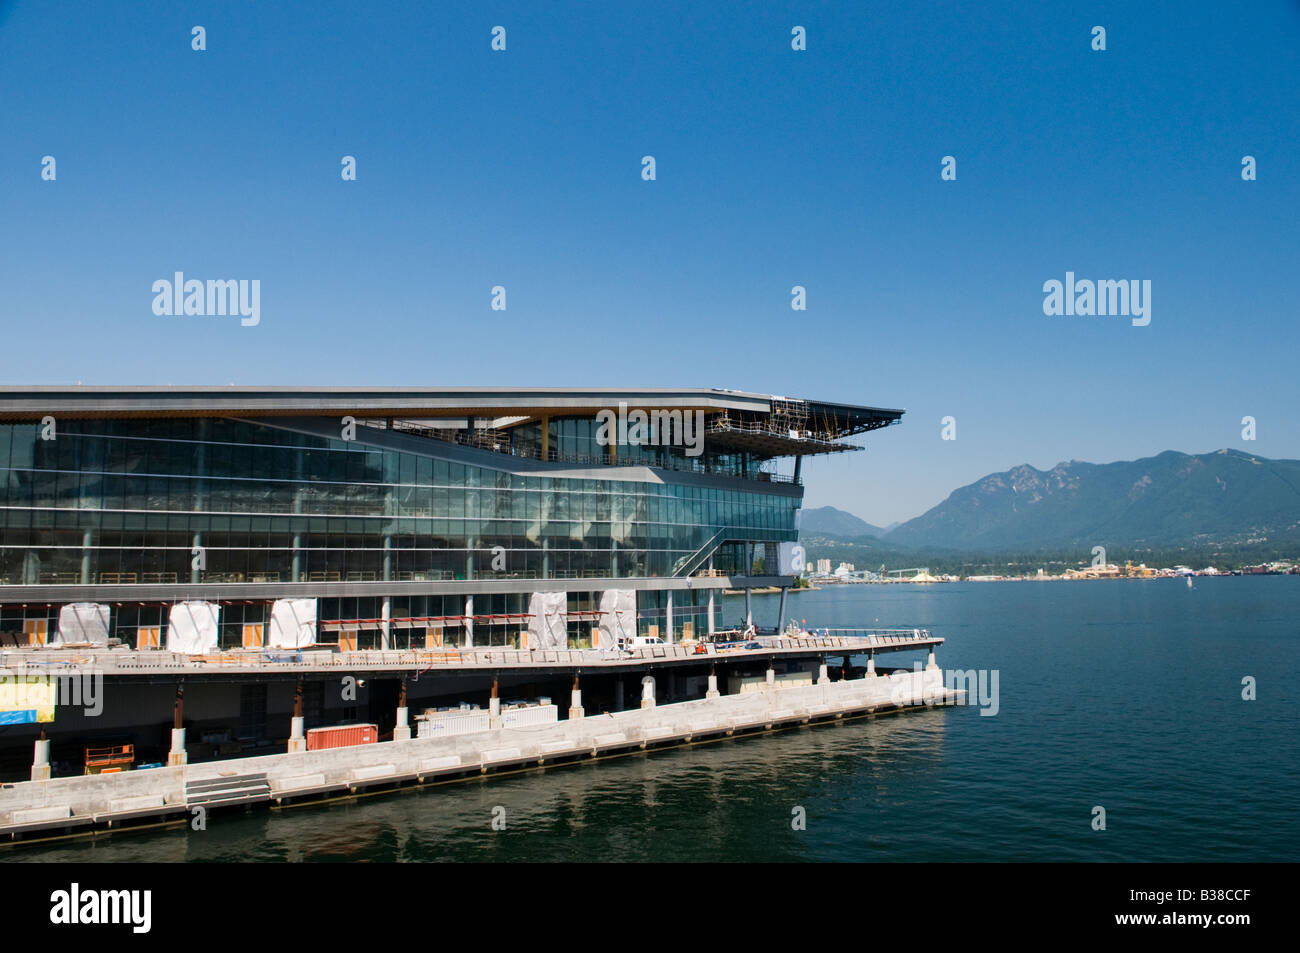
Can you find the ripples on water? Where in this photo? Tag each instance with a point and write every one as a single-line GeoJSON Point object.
{"type": "Point", "coordinates": [1124, 694]}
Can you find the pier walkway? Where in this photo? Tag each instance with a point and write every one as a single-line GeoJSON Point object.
{"type": "Point", "coordinates": [38, 810]}
{"type": "Point", "coordinates": [124, 661]}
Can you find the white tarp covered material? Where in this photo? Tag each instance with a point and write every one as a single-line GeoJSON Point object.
{"type": "Point", "coordinates": [548, 627]}
{"type": "Point", "coordinates": [617, 618]}
{"type": "Point", "coordinates": [82, 622]}
{"type": "Point", "coordinates": [293, 623]}
{"type": "Point", "coordinates": [192, 628]}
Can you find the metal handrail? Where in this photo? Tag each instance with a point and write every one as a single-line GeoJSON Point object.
{"type": "Point", "coordinates": [452, 656]}
{"type": "Point", "coordinates": [690, 563]}
{"type": "Point", "coordinates": [722, 424]}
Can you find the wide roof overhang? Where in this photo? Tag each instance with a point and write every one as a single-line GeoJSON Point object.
{"type": "Point", "coordinates": [748, 421]}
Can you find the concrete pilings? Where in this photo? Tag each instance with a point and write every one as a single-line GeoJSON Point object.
{"type": "Point", "coordinates": [177, 756]}
{"type": "Point", "coordinates": [575, 701]}
{"type": "Point", "coordinates": [29, 808]}
{"type": "Point", "coordinates": [41, 761]}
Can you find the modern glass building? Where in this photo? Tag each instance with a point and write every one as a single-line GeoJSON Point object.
{"type": "Point", "coordinates": [412, 517]}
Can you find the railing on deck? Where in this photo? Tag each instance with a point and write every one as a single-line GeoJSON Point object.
{"type": "Point", "coordinates": [876, 636]}
{"type": "Point", "coordinates": [423, 660]}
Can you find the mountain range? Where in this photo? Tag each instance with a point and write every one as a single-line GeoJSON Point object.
{"type": "Point", "coordinates": [829, 521]}
{"type": "Point", "coordinates": [1226, 497]}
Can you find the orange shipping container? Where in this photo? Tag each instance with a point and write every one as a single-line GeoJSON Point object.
{"type": "Point", "coordinates": [341, 736]}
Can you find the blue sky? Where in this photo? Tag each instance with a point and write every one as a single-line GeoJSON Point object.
{"type": "Point", "coordinates": [775, 168]}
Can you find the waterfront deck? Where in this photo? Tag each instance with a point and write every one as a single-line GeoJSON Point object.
{"type": "Point", "coordinates": [123, 661]}
{"type": "Point", "coordinates": [61, 807]}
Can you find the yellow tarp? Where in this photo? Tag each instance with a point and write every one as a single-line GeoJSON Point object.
{"type": "Point", "coordinates": [22, 693]}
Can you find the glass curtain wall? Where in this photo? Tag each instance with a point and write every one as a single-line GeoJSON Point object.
{"type": "Point", "coordinates": [209, 500]}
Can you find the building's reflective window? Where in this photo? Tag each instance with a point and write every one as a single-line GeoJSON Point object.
{"type": "Point", "coordinates": [131, 501]}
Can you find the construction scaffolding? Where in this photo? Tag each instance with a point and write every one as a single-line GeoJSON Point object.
{"type": "Point", "coordinates": [789, 416]}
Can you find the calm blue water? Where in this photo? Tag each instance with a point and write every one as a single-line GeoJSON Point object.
{"type": "Point", "coordinates": [1123, 694]}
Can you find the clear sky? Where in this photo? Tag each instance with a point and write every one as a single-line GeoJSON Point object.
{"type": "Point", "coordinates": [775, 168]}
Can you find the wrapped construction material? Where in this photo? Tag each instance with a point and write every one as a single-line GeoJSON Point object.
{"type": "Point", "coordinates": [617, 618]}
{"type": "Point", "coordinates": [192, 628]}
{"type": "Point", "coordinates": [81, 623]}
{"type": "Point", "coordinates": [293, 623]}
{"type": "Point", "coordinates": [548, 627]}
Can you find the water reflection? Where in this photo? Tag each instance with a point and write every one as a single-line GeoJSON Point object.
{"type": "Point", "coordinates": [729, 800]}
{"type": "Point", "coordinates": [1124, 695]}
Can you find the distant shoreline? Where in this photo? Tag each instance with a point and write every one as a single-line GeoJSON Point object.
{"type": "Point", "coordinates": [1046, 578]}
{"type": "Point", "coordinates": [825, 583]}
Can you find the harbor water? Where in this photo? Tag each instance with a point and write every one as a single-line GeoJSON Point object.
{"type": "Point", "coordinates": [1123, 695]}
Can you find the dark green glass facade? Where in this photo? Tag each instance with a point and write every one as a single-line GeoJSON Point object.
{"type": "Point", "coordinates": [209, 500]}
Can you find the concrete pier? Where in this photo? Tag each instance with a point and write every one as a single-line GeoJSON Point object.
{"type": "Point", "coordinates": [575, 701]}
{"type": "Point", "coordinates": [177, 756]}
{"type": "Point", "coordinates": [35, 809]}
{"type": "Point", "coordinates": [41, 761]}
